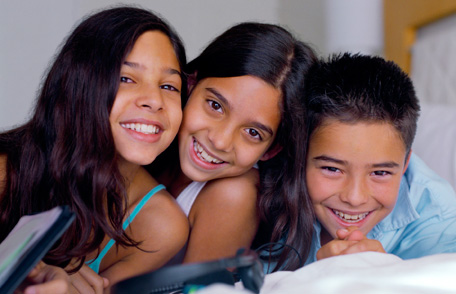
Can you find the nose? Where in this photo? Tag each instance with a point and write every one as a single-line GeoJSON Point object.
{"type": "Point", "coordinates": [356, 192]}
{"type": "Point", "coordinates": [221, 136]}
{"type": "Point", "coordinates": [150, 98]}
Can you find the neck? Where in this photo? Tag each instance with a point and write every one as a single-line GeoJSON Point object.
{"type": "Point", "coordinates": [178, 182]}
{"type": "Point", "coordinates": [128, 170]}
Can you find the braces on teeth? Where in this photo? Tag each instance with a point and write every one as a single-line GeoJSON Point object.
{"type": "Point", "coordinates": [202, 154]}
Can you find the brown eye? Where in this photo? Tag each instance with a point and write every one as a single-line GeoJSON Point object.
{"type": "Point", "coordinates": [331, 169]}
{"type": "Point", "coordinates": [125, 80]}
{"type": "Point", "coordinates": [170, 88]}
{"type": "Point", "coordinates": [215, 105]}
{"type": "Point", "coordinates": [254, 134]}
{"type": "Point", "coordinates": [381, 173]}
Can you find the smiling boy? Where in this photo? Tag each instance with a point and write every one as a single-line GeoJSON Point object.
{"type": "Point", "coordinates": [368, 190]}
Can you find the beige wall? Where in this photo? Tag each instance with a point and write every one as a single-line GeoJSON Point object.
{"type": "Point", "coordinates": [31, 31]}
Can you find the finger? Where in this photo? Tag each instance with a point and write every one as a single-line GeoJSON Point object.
{"type": "Point", "coordinates": [364, 246]}
{"type": "Point", "coordinates": [49, 279]}
{"type": "Point", "coordinates": [342, 234]}
{"type": "Point", "coordinates": [356, 236]}
{"type": "Point", "coordinates": [334, 248]}
{"type": "Point", "coordinates": [105, 283]}
{"type": "Point", "coordinates": [73, 290]}
{"type": "Point", "coordinates": [79, 285]}
{"type": "Point", "coordinates": [95, 280]}
{"type": "Point", "coordinates": [58, 286]}
{"type": "Point", "coordinates": [36, 270]}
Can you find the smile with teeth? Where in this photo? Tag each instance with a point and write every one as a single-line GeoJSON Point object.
{"type": "Point", "coordinates": [142, 128]}
{"type": "Point", "coordinates": [349, 217]}
{"type": "Point", "coordinates": [202, 154]}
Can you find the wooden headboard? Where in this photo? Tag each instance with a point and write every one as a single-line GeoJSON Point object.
{"type": "Point", "coordinates": [402, 20]}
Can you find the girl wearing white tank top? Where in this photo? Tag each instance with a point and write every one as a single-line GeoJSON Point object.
{"type": "Point", "coordinates": [243, 109]}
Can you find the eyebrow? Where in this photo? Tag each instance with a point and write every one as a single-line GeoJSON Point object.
{"type": "Point", "coordinates": [330, 159]}
{"type": "Point", "coordinates": [388, 164]}
{"type": "Point", "coordinates": [225, 102]}
{"type": "Point", "coordinates": [139, 66]}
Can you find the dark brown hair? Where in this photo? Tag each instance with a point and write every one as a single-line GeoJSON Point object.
{"type": "Point", "coordinates": [272, 54]}
{"type": "Point", "coordinates": [65, 154]}
{"type": "Point", "coordinates": [353, 87]}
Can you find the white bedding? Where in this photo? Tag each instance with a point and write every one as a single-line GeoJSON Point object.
{"type": "Point", "coordinates": [367, 272]}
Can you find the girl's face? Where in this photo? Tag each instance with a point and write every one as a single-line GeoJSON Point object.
{"type": "Point", "coordinates": [229, 124]}
{"type": "Point", "coordinates": [147, 111]}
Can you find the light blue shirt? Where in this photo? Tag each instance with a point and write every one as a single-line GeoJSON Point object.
{"type": "Point", "coordinates": [423, 221]}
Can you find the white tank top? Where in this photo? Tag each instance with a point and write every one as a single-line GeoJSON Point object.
{"type": "Point", "coordinates": [188, 196]}
{"type": "Point", "coordinates": [185, 200]}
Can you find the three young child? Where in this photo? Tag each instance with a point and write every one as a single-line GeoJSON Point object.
{"type": "Point", "coordinates": [368, 190]}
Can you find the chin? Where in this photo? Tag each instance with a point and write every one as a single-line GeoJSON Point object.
{"type": "Point", "coordinates": [194, 176]}
{"type": "Point", "coordinates": [141, 160]}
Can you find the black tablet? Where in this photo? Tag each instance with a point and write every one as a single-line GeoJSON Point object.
{"type": "Point", "coordinates": [28, 243]}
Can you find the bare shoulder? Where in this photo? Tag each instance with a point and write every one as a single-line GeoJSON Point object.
{"type": "Point", "coordinates": [160, 214]}
{"type": "Point", "coordinates": [223, 217]}
{"type": "Point", "coordinates": [160, 227]}
{"type": "Point", "coordinates": [240, 191]}
{"type": "Point", "coordinates": [162, 201]}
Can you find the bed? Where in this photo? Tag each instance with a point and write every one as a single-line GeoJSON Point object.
{"type": "Point", "coordinates": [435, 143]}
{"type": "Point", "coordinates": [366, 273]}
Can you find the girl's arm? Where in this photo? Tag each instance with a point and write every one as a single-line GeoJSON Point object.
{"type": "Point", "coordinates": [223, 218]}
{"type": "Point", "coordinates": [163, 229]}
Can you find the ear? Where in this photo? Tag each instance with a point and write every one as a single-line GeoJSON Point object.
{"type": "Point", "coordinates": [407, 161]}
{"type": "Point", "coordinates": [271, 152]}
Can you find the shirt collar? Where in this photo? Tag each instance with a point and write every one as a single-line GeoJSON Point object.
{"type": "Point", "coordinates": [316, 244]}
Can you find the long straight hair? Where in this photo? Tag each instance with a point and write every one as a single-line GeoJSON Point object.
{"type": "Point", "coordinates": [65, 154]}
{"type": "Point", "coordinates": [272, 54]}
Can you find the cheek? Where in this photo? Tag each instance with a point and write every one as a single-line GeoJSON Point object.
{"type": "Point", "coordinates": [176, 115]}
{"type": "Point", "coordinates": [319, 188]}
{"type": "Point", "coordinates": [114, 111]}
{"type": "Point", "coordinates": [193, 119]}
{"type": "Point", "coordinates": [189, 125]}
{"type": "Point", "coordinates": [387, 194]}
{"type": "Point", "coordinates": [247, 155]}
{"type": "Point", "coordinates": [119, 107]}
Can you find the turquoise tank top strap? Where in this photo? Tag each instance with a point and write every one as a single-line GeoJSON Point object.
{"type": "Point", "coordinates": [95, 264]}
{"type": "Point", "coordinates": [141, 204]}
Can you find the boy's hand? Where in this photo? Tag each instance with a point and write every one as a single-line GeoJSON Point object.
{"type": "Point", "coordinates": [349, 241]}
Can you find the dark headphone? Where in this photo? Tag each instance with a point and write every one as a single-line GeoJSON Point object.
{"type": "Point", "coordinates": [172, 279]}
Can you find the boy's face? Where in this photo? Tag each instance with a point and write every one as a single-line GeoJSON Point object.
{"type": "Point", "coordinates": [354, 172]}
